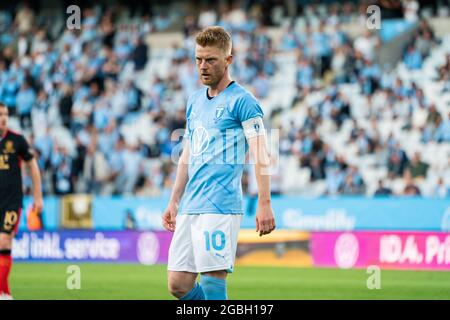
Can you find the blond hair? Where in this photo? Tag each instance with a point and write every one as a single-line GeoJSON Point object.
{"type": "Point", "coordinates": [216, 37]}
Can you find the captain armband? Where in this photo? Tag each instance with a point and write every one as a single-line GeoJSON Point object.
{"type": "Point", "coordinates": [253, 127]}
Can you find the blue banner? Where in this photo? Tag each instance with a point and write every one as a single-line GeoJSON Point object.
{"type": "Point", "coordinates": [295, 213]}
{"type": "Point", "coordinates": [110, 213]}
{"type": "Point", "coordinates": [341, 214]}
{"type": "Point", "coordinates": [324, 214]}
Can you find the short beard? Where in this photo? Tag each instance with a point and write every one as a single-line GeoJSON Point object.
{"type": "Point", "coordinates": [213, 83]}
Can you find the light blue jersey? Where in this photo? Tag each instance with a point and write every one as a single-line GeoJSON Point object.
{"type": "Point", "coordinates": [218, 149]}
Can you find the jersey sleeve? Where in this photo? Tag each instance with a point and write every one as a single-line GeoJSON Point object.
{"type": "Point", "coordinates": [247, 107]}
{"type": "Point", "coordinates": [250, 114]}
{"type": "Point", "coordinates": [24, 151]}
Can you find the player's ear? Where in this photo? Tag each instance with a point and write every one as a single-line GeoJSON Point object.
{"type": "Point", "coordinates": [229, 59]}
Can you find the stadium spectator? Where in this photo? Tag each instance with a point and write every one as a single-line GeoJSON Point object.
{"type": "Point", "coordinates": [443, 130]}
{"type": "Point", "coordinates": [413, 58]}
{"type": "Point", "coordinates": [410, 189]}
{"type": "Point", "coordinates": [139, 55]}
{"type": "Point", "coordinates": [207, 17]}
{"type": "Point", "coordinates": [81, 113]}
{"type": "Point", "coordinates": [304, 76]}
{"type": "Point", "coordinates": [132, 160]}
{"type": "Point", "coordinates": [65, 106]}
{"type": "Point", "coordinates": [24, 18]}
{"type": "Point", "coordinates": [45, 145]}
{"type": "Point", "coordinates": [62, 178]}
{"type": "Point", "coordinates": [26, 98]}
{"type": "Point", "coordinates": [410, 10]}
{"type": "Point", "coordinates": [317, 168]}
{"type": "Point", "coordinates": [366, 45]}
{"type": "Point", "coordinates": [397, 162]}
{"type": "Point", "coordinates": [440, 190]}
{"type": "Point", "coordinates": [417, 167]}
{"type": "Point", "coordinates": [424, 43]}
{"type": "Point", "coordinates": [147, 188]}
{"type": "Point", "coordinates": [334, 180]}
{"type": "Point", "coordinates": [261, 85]}
{"type": "Point", "coordinates": [381, 190]}
{"type": "Point", "coordinates": [95, 168]}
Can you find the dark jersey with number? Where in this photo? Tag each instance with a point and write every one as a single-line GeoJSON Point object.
{"type": "Point", "coordinates": [13, 150]}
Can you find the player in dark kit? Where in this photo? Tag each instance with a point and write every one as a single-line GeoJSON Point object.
{"type": "Point", "coordinates": [13, 150]}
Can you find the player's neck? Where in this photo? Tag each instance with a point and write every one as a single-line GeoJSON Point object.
{"type": "Point", "coordinates": [222, 85]}
{"type": "Point", "coordinates": [3, 133]}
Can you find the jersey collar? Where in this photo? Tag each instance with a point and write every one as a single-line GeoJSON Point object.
{"type": "Point", "coordinates": [210, 98]}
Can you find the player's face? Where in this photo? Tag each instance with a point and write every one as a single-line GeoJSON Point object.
{"type": "Point", "coordinates": [3, 119]}
{"type": "Point", "coordinates": [212, 63]}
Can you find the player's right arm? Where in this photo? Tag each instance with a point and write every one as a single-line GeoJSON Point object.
{"type": "Point", "coordinates": [170, 214]}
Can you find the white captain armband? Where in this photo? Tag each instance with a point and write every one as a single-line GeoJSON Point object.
{"type": "Point", "coordinates": [253, 127]}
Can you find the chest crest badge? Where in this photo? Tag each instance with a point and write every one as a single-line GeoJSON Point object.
{"type": "Point", "coordinates": [220, 109]}
{"type": "Point", "coordinates": [9, 147]}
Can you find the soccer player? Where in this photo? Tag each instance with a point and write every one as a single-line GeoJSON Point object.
{"type": "Point", "coordinates": [224, 122]}
{"type": "Point", "coordinates": [13, 149]}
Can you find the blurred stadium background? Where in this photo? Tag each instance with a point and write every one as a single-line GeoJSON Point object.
{"type": "Point", "coordinates": [363, 155]}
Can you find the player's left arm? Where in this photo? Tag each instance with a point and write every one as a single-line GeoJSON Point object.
{"type": "Point", "coordinates": [27, 154]}
{"type": "Point", "coordinates": [256, 139]}
{"type": "Point", "coordinates": [33, 168]}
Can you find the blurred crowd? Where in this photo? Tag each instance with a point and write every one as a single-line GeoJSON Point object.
{"type": "Point", "coordinates": [334, 57]}
{"type": "Point", "coordinates": [75, 93]}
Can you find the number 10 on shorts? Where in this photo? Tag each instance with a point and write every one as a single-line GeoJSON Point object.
{"type": "Point", "coordinates": [216, 239]}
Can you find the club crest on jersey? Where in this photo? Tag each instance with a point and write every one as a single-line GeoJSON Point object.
{"type": "Point", "coordinates": [9, 147]}
{"type": "Point", "coordinates": [219, 112]}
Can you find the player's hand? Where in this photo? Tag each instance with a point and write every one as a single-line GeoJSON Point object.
{"type": "Point", "coordinates": [38, 204]}
{"type": "Point", "coordinates": [265, 221]}
{"type": "Point", "coordinates": [169, 217]}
